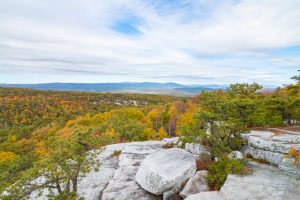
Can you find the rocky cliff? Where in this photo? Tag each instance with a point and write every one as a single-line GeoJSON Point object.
{"type": "Point", "coordinates": [159, 169]}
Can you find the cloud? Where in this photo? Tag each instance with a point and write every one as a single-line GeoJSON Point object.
{"type": "Point", "coordinates": [186, 41]}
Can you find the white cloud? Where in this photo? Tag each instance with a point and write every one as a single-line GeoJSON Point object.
{"type": "Point", "coordinates": [186, 41]}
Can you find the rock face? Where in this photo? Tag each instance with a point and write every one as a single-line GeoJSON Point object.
{"type": "Point", "coordinates": [142, 170]}
{"type": "Point", "coordinates": [115, 180]}
{"type": "Point", "coordinates": [164, 170]}
{"type": "Point", "coordinates": [273, 146]}
{"type": "Point", "coordinates": [123, 186]}
{"type": "Point", "coordinates": [195, 185]}
{"type": "Point", "coordinates": [266, 183]}
{"type": "Point", "coordinates": [92, 185]}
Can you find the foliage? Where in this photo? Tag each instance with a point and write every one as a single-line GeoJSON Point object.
{"type": "Point", "coordinates": [295, 153]}
{"type": "Point", "coordinates": [38, 129]}
{"type": "Point", "coordinates": [66, 160]}
{"type": "Point", "coordinates": [221, 137]}
{"type": "Point", "coordinates": [30, 120]}
{"type": "Point", "coordinates": [219, 170]}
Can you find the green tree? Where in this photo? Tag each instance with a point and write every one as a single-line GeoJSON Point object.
{"type": "Point", "coordinates": [296, 78]}
{"type": "Point", "coordinates": [69, 159]}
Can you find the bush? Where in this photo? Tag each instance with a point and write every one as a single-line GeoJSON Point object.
{"type": "Point", "coordinates": [218, 171]}
{"type": "Point", "coordinates": [295, 153]}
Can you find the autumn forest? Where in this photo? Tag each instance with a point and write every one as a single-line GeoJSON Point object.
{"type": "Point", "coordinates": [44, 129]}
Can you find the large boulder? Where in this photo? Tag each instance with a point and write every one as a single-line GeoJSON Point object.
{"type": "Point", "coordinates": [195, 185]}
{"type": "Point", "coordinates": [166, 169]}
{"type": "Point", "coordinates": [236, 155]}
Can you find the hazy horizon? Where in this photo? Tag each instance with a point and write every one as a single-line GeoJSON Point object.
{"type": "Point", "coordinates": [181, 41]}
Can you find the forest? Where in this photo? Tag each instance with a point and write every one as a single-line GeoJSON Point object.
{"type": "Point", "coordinates": [41, 131]}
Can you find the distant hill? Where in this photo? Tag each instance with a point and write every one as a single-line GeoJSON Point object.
{"type": "Point", "coordinates": [124, 87]}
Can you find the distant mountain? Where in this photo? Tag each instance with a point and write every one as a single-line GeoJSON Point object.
{"type": "Point", "coordinates": [124, 87]}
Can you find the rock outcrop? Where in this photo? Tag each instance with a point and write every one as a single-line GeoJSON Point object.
{"type": "Point", "coordinates": [272, 146]}
{"type": "Point", "coordinates": [123, 186]}
{"type": "Point", "coordinates": [116, 177]}
{"type": "Point", "coordinates": [143, 170]}
{"type": "Point", "coordinates": [265, 183]}
{"type": "Point", "coordinates": [166, 170]}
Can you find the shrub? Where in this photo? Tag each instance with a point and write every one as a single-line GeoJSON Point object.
{"type": "Point", "coordinates": [295, 153]}
{"type": "Point", "coordinates": [218, 171]}
{"type": "Point", "coordinates": [168, 146]}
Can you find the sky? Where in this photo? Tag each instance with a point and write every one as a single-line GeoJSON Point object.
{"type": "Point", "coordinates": [182, 41]}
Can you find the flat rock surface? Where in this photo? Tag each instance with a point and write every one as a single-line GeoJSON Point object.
{"type": "Point", "coordinates": [265, 183]}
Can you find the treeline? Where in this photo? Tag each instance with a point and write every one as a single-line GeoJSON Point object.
{"type": "Point", "coordinates": [37, 126]}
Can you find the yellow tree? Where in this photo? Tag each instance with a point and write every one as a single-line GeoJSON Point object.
{"type": "Point", "coordinates": [162, 133]}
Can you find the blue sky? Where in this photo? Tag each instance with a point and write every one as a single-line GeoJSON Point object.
{"type": "Point", "coordinates": [183, 41]}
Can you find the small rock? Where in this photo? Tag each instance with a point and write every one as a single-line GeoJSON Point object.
{"type": "Point", "coordinates": [236, 155]}
{"type": "Point", "coordinates": [197, 149]}
{"type": "Point", "coordinates": [195, 185]}
{"type": "Point", "coordinates": [179, 144]}
{"type": "Point", "coordinates": [173, 140]}
{"type": "Point", "coordinates": [166, 169]}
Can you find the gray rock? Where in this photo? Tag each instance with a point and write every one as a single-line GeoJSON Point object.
{"type": "Point", "coordinates": [91, 186]}
{"type": "Point", "coordinates": [269, 156]}
{"type": "Point", "coordinates": [179, 144]}
{"type": "Point", "coordinates": [288, 164]}
{"type": "Point", "coordinates": [168, 194]}
{"type": "Point", "coordinates": [236, 155]}
{"type": "Point", "coordinates": [291, 138]}
{"type": "Point", "coordinates": [195, 185]}
{"type": "Point", "coordinates": [197, 149]}
{"type": "Point", "coordinates": [172, 140]}
{"type": "Point", "coordinates": [273, 147]}
{"type": "Point", "coordinates": [265, 183]}
{"type": "Point", "coordinates": [166, 169]}
{"type": "Point", "coordinates": [123, 186]}
{"type": "Point", "coordinates": [205, 196]}
{"type": "Point", "coordinates": [268, 144]}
